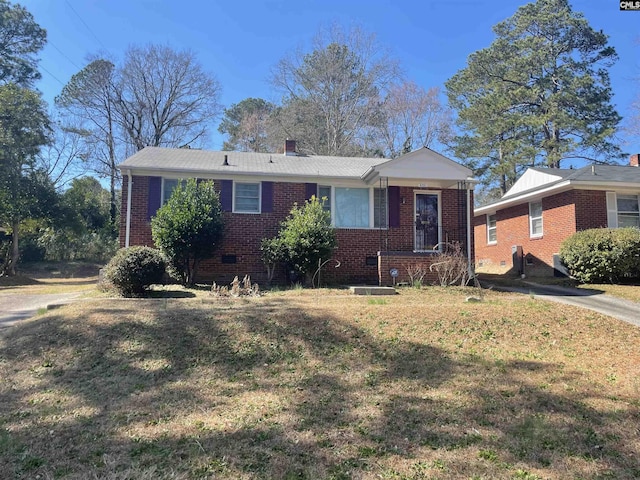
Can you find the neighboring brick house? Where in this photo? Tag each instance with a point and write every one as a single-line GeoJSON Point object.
{"type": "Point", "coordinates": [522, 232]}
{"type": "Point", "coordinates": [387, 213]}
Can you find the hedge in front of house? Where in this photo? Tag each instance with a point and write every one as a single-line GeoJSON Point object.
{"type": "Point", "coordinates": [132, 270]}
{"type": "Point", "coordinates": [602, 254]}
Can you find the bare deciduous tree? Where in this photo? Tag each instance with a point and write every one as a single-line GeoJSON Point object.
{"type": "Point", "coordinates": [412, 117]}
{"type": "Point", "coordinates": [333, 92]}
{"type": "Point", "coordinates": [88, 103]}
{"type": "Point", "coordinates": [246, 125]}
{"type": "Point", "coordinates": [64, 159]}
{"type": "Point", "coordinates": [165, 98]}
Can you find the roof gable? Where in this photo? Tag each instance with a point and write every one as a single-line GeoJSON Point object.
{"type": "Point", "coordinates": [535, 178]}
{"type": "Point", "coordinates": [421, 164]}
{"type": "Point", "coordinates": [539, 182]}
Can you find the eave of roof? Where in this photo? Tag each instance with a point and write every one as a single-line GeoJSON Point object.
{"type": "Point", "coordinates": [601, 177]}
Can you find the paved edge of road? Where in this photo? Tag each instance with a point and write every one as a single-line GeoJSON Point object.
{"type": "Point", "coordinates": [615, 307]}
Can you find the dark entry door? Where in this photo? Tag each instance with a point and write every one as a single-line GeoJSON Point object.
{"type": "Point", "coordinates": [426, 225]}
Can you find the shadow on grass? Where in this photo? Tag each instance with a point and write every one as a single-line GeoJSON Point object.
{"type": "Point", "coordinates": [301, 395]}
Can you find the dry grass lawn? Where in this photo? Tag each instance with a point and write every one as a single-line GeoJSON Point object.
{"type": "Point", "coordinates": [321, 385]}
{"type": "Point", "coordinates": [51, 277]}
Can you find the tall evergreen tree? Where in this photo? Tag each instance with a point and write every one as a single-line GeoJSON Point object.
{"type": "Point", "coordinates": [539, 94]}
{"type": "Point", "coordinates": [24, 123]}
{"type": "Point", "coordinates": [20, 39]}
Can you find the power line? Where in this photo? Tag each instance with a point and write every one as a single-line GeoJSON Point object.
{"type": "Point", "coordinates": [65, 56]}
{"type": "Point", "coordinates": [52, 75]}
{"type": "Point", "coordinates": [87, 26]}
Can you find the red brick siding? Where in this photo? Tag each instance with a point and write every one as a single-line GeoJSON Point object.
{"type": "Point", "coordinates": [562, 215]}
{"type": "Point", "coordinates": [244, 233]}
{"type": "Point", "coordinates": [591, 209]}
{"type": "Point", "coordinates": [140, 233]}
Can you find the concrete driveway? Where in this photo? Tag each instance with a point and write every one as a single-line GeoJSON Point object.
{"type": "Point", "coordinates": [619, 308]}
{"type": "Point", "coordinates": [16, 307]}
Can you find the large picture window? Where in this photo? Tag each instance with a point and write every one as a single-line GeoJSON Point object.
{"type": "Point", "coordinates": [535, 219]}
{"type": "Point", "coordinates": [352, 207]}
{"type": "Point", "coordinates": [246, 197]}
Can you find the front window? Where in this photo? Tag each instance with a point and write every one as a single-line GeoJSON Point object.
{"type": "Point", "coordinates": [352, 207]}
{"type": "Point", "coordinates": [628, 212]}
{"type": "Point", "coordinates": [168, 186]}
{"type": "Point", "coordinates": [246, 197]}
{"type": "Point", "coordinates": [535, 219]}
{"type": "Point", "coordinates": [492, 236]}
{"type": "Point", "coordinates": [380, 208]}
{"type": "Point", "coordinates": [324, 195]}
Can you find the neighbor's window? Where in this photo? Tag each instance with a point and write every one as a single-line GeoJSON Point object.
{"type": "Point", "coordinates": [492, 236]}
{"type": "Point", "coordinates": [380, 208]}
{"type": "Point", "coordinates": [628, 213]}
{"type": "Point", "coordinates": [168, 185]}
{"type": "Point", "coordinates": [352, 207]}
{"type": "Point", "coordinates": [535, 219]}
{"type": "Point", "coordinates": [246, 197]}
{"type": "Point", "coordinates": [324, 195]}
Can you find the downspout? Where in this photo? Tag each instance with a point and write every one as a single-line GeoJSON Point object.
{"type": "Point", "coordinates": [469, 231]}
{"type": "Point", "coordinates": [128, 227]}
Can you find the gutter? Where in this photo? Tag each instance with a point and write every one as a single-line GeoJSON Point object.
{"type": "Point", "coordinates": [554, 189]}
{"type": "Point", "coordinates": [127, 234]}
{"type": "Point", "coordinates": [469, 232]}
{"type": "Point", "coordinates": [519, 198]}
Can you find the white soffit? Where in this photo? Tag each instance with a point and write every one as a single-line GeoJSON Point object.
{"type": "Point", "coordinates": [423, 164]}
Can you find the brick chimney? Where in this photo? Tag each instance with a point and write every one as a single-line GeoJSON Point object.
{"type": "Point", "coordinates": [290, 147]}
{"type": "Point", "coordinates": [633, 161]}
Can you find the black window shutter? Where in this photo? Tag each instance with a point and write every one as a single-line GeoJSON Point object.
{"type": "Point", "coordinates": [310, 189]}
{"type": "Point", "coordinates": [394, 207]}
{"type": "Point", "coordinates": [267, 197]}
{"type": "Point", "coordinates": [226, 195]}
{"type": "Point", "coordinates": [155, 192]}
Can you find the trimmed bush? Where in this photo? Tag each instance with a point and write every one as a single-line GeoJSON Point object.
{"type": "Point", "coordinates": [602, 254]}
{"type": "Point", "coordinates": [132, 270]}
{"type": "Point", "coordinates": [305, 238]}
{"type": "Point", "coordinates": [189, 227]}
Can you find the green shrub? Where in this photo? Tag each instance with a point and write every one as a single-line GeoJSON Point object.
{"type": "Point", "coordinates": [132, 270]}
{"type": "Point", "coordinates": [67, 245]}
{"type": "Point", "coordinates": [602, 254]}
{"type": "Point", "coordinates": [305, 238]}
{"type": "Point", "coordinates": [189, 227]}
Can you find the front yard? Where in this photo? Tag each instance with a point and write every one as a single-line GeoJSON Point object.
{"type": "Point", "coordinates": [320, 384]}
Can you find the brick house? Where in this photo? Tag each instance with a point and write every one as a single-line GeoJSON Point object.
{"type": "Point", "coordinates": [522, 232]}
{"type": "Point", "coordinates": [387, 213]}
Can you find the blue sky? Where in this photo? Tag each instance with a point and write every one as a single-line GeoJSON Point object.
{"type": "Point", "coordinates": [240, 40]}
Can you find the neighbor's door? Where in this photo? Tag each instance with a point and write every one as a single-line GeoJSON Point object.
{"type": "Point", "coordinates": [426, 224]}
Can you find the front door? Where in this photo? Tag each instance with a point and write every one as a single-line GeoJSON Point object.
{"type": "Point", "coordinates": [426, 225]}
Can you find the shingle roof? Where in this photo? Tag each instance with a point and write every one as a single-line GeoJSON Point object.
{"type": "Point", "coordinates": [597, 176]}
{"type": "Point", "coordinates": [248, 163]}
{"type": "Point", "coordinates": [605, 174]}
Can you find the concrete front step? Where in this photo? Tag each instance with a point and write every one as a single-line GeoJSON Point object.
{"type": "Point", "coordinates": [373, 290]}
